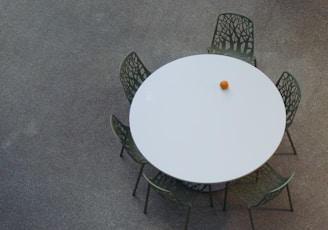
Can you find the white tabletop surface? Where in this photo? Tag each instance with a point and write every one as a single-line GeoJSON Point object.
{"type": "Point", "coordinates": [188, 127]}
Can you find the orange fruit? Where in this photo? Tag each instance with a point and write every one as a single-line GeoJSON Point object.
{"type": "Point", "coordinates": [224, 84]}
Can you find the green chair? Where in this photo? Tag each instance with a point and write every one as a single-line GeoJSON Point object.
{"type": "Point", "coordinates": [122, 132]}
{"type": "Point", "coordinates": [258, 188]}
{"type": "Point", "coordinates": [291, 94]}
{"type": "Point", "coordinates": [234, 36]}
{"type": "Point", "coordinates": [132, 74]}
{"type": "Point", "coordinates": [173, 190]}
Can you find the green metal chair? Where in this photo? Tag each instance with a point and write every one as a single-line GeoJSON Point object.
{"type": "Point", "coordinates": [291, 94]}
{"type": "Point", "coordinates": [234, 36]}
{"type": "Point", "coordinates": [122, 132]}
{"type": "Point", "coordinates": [132, 74]}
{"type": "Point", "coordinates": [258, 188]}
{"type": "Point", "coordinates": [173, 190]}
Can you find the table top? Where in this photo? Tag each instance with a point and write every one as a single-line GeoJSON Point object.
{"type": "Point", "coordinates": [188, 127]}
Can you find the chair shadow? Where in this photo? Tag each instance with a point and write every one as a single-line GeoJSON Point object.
{"type": "Point", "coordinates": [284, 154]}
{"type": "Point", "coordinates": [273, 209]}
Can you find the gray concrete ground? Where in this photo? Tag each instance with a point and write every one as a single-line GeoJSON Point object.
{"type": "Point", "coordinates": [60, 167]}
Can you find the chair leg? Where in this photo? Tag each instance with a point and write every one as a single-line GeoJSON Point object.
{"type": "Point", "coordinates": [211, 195]}
{"type": "Point", "coordinates": [291, 141]}
{"type": "Point", "coordinates": [147, 197]}
{"type": "Point", "coordinates": [187, 219]}
{"type": "Point", "coordinates": [225, 196]}
{"type": "Point", "coordinates": [257, 175]}
{"type": "Point", "coordinates": [250, 217]}
{"type": "Point", "coordinates": [122, 150]}
{"type": "Point", "coordinates": [138, 179]}
{"type": "Point", "coordinates": [290, 199]}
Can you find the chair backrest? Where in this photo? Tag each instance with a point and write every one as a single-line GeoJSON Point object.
{"type": "Point", "coordinates": [291, 94]}
{"type": "Point", "coordinates": [123, 133]}
{"type": "Point", "coordinates": [132, 73]}
{"type": "Point", "coordinates": [163, 184]}
{"type": "Point", "coordinates": [234, 35]}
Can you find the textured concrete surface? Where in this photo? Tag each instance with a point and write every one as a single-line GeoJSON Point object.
{"type": "Point", "coordinates": [59, 59]}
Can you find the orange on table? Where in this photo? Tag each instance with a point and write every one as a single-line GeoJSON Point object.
{"type": "Point", "coordinates": [224, 84]}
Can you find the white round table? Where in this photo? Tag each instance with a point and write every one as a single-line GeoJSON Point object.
{"type": "Point", "coordinates": [189, 128]}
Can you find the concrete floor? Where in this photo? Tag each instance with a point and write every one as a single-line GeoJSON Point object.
{"type": "Point", "coordinates": [60, 166]}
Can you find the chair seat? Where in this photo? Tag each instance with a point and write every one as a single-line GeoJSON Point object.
{"type": "Point", "coordinates": [214, 50]}
{"type": "Point", "coordinates": [136, 155]}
